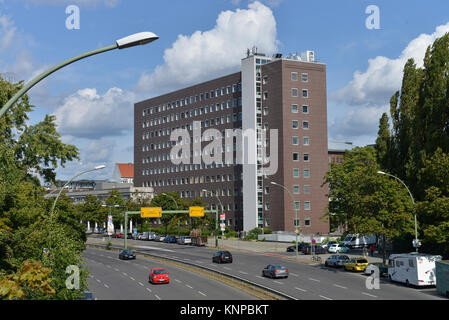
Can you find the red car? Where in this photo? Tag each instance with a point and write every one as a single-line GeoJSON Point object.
{"type": "Point", "coordinates": [159, 275]}
{"type": "Point", "coordinates": [117, 235]}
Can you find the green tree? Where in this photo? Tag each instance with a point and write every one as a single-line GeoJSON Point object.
{"type": "Point", "coordinates": [367, 201]}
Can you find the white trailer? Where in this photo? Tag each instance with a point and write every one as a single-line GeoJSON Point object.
{"type": "Point", "coordinates": [358, 241]}
{"type": "Point", "coordinates": [417, 269]}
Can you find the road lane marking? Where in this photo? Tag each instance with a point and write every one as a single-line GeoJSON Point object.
{"type": "Point", "coordinates": [125, 274]}
{"type": "Point", "coordinates": [106, 285]}
{"type": "Point", "coordinates": [202, 293]}
{"type": "Point", "coordinates": [148, 289]}
{"type": "Point", "coordinates": [178, 281]}
{"type": "Point", "coordinates": [132, 278]}
{"type": "Point", "coordinates": [98, 280]}
{"type": "Point", "coordinates": [141, 284]}
{"type": "Point", "coordinates": [278, 282]}
{"type": "Point", "coordinates": [243, 272]}
{"type": "Point", "coordinates": [116, 269]}
{"type": "Point", "coordinates": [227, 268]}
{"type": "Point", "coordinates": [154, 248]}
{"type": "Point", "coordinates": [369, 295]}
{"type": "Point", "coordinates": [189, 286]}
{"type": "Point", "coordinates": [260, 277]}
{"type": "Point", "coordinates": [294, 274]}
{"type": "Point", "coordinates": [157, 297]}
{"type": "Point", "coordinates": [314, 279]}
{"type": "Point", "coordinates": [336, 285]}
{"type": "Point", "coordinates": [326, 298]}
{"type": "Point", "coordinates": [303, 290]}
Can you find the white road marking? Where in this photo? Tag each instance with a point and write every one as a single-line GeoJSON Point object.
{"type": "Point", "coordinates": [178, 281]}
{"type": "Point", "coordinates": [198, 261]}
{"type": "Point", "coordinates": [132, 278]}
{"type": "Point", "coordinates": [314, 280]}
{"type": "Point", "coordinates": [141, 284]}
{"type": "Point", "coordinates": [336, 285]}
{"type": "Point", "coordinates": [326, 298]}
{"type": "Point", "coordinates": [227, 268]}
{"type": "Point", "coordinates": [116, 269]}
{"type": "Point", "coordinates": [293, 274]}
{"type": "Point", "coordinates": [125, 274]}
{"type": "Point", "coordinates": [369, 295]}
{"type": "Point", "coordinates": [154, 248]}
{"type": "Point", "coordinates": [202, 293]}
{"type": "Point", "coordinates": [260, 277]}
{"type": "Point", "coordinates": [278, 282]}
{"type": "Point", "coordinates": [303, 290]}
{"type": "Point", "coordinates": [189, 286]}
{"type": "Point", "coordinates": [157, 297]}
{"type": "Point", "coordinates": [243, 272]}
{"type": "Point", "coordinates": [148, 289]}
{"type": "Point", "coordinates": [106, 285]}
{"type": "Point", "coordinates": [98, 280]}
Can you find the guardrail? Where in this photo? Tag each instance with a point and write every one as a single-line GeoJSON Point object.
{"type": "Point", "coordinates": [224, 274]}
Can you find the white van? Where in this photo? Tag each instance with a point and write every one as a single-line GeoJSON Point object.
{"type": "Point", "coordinates": [416, 269]}
{"type": "Point", "coordinates": [358, 241]}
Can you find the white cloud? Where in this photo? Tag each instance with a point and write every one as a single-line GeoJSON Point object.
{"type": "Point", "coordinates": [213, 53]}
{"type": "Point", "coordinates": [7, 32]}
{"type": "Point", "coordinates": [100, 150]}
{"type": "Point", "coordinates": [90, 115]}
{"type": "Point", "coordinates": [383, 77]}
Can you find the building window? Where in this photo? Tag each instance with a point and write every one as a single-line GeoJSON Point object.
{"type": "Point", "coordinates": [295, 124]}
{"type": "Point", "coordinates": [267, 206]}
{"type": "Point", "coordinates": [265, 80]}
{"type": "Point", "coordinates": [305, 109]}
{"type": "Point", "coordinates": [305, 125]}
{"type": "Point", "coordinates": [304, 77]}
{"type": "Point", "coordinates": [267, 190]}
{"type": "Point", "coordinates": [295, 156]}
{"type": "Point", "coordinates": [265, 111]}
{"type": "Point", "coordinates": [295, 173]}
{"type": "Point", "coordinates": [265, 95]}
{"type": "Point", "coordinates": [294, 108]}
{"type": "Point", "coordinates": [306, 173]}
{"type": "Point", "coordinates": [306, 157]}
{"type": "Point", "coordinates": [294, 76]}
{"type": "Point", "coordinates": [306, 205]}
{"type": "Point", "coordinates": [294, 92]}
{"type": "Point", "coordinates": [297, 205]}
{"type": "Point", "coordinates": [305, 141]}
{"type": "Point", "coordinates": [305, 93]}
{"type": "Point", "coordinates": [307, 222]}
{"type": "Point", "coordinates": [295, 140]}
{"type": "Point", "coordinates": [295, 189]}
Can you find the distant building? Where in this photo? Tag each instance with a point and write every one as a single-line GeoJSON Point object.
{"type": "Point", "coordinates": [123, 173]}
{"type": "Point", "coordinates": [336, 150]}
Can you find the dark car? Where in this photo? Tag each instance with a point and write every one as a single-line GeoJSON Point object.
{"type": "Point", "coordinates": [130, 236]}
{"type": "Point", "coordinates": [292, 248]}
{"type": "Point", "coordinates": [275, 271]}
{"type": "Point", "coordinates": [222, 256]}
{"type": "Point", "coordinates": [126, 255]}
{"type": "Point", "coordinates": [170, 239]}
{"type": "Point", "coordinates": [336, 260]}
{"type": "Point", "coordinates": [316, 250]}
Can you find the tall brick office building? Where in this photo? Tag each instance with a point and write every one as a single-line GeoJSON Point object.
{"type": "Point", "coordinates": [283, 95]}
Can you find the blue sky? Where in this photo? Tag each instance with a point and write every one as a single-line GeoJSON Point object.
{"type": "Point", "coordinates": [93, 99]}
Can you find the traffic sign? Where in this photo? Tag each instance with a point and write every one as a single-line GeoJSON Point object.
{"type": "Point", "coordinates": [223, 216]}
{"type": "Point", "coordinates": [222, 226]}
{"type": "Point", "coordinates": [313, 241]}
{"type": "Point", "coordinates": [151, 212]}
{"type": "Point", "coordinates": [196, 211]}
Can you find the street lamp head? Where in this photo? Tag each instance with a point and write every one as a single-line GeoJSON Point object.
{"type": "Point", "coordinates": [100, 167]}
{"type": "Point", "coordinates": [381, 172]}
{"type": "Point", "coordinates": [272, 182]}
{"type": "Point", "coordinates": [136, 39]}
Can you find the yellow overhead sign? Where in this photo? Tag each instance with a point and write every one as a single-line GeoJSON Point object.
{"type": "Point", "coordinates": [151, 212]}
{"type": "Point", "coordinates": [196, 211]}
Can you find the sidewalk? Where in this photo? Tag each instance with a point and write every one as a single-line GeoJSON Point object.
{"type": "Point", "coordinates": [279, 249]}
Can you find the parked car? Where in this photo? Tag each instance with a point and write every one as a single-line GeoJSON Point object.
{"type": "Point", "coordinates": [158, 275]}
{"type": "Point", "coordinates": [222, 256]}
{"type": "Point", "coordinates": [130, 236]}
{"type": "Point", "coordinates": [275, 271]}
{"type": "Point", "coordinates": [383, 269]}
{"type": "Point", "coordinates": [117, 235]}
{"type": "Point", "coordinates": [144, 236]}
{"type": "Point", "coordinates": [442, 277]}
{"type": "Point", "coordinates": [151, 235]}
{"type": "Point", "coordinates": [357, 264]}
{"type": "Point", "coordinates": [126, 255]}
{"type": "Point", "coordinates": [184, 240]}
{"type": "Point", "coordinates": [292, 248]}
{"type": "Point", "coordinates": [316, 249]}
{"type": "Point", "coordinates": [337, 248]}
{"type": "Point", "coordinates": [170, 239]}
{"type": "Point", "coordinates": [358, 241]}
{"type": "Point", "coordinates": [139, 236]}
{"type": "Point", "coordinates": [416, 269]}
{"type": "Point", "coordinates": [326, 245]}
{"type": "Point", "coordinates": [336, 260]}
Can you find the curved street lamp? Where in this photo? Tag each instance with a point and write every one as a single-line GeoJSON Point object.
{"type": "Point", "coordinates": [172, 198]}
{"type": "Point", "coordinates": [126, 42]}
{"type": "Point", "coordinates": [296, 212]}
{"type": "Point", "coordinates": [75, 176]}
{"type": "Point", "coordinates": [413, 202]}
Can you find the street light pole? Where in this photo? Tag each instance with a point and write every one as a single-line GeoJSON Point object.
{"type": "Point", "coordinates": [296, 212]}
{"type": "Point", "coordinates": [130, 41]}
{"type": "Point", "coordinates": [413, 202]}
{"type": "Point", "coordinates": [167, 195]}
{"type": "Point", "coordinates": [75, 176]}
{"type": "Point", "coordinates": [216, 217]}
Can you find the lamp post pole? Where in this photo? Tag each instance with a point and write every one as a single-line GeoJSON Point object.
{"type": "Point", "coordinates": [216, 218]}
{"type": "Point", "coordinates": [413, 202]}
{"type": "Point", "coordinates": [296, 213]}
{"type": "Point", "coordinates": [130, 41]}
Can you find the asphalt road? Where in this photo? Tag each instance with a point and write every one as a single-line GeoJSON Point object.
{"type": "Point", "coordinates": [114, 279]}
{"type": "Point", "coordinates": [305, 281]}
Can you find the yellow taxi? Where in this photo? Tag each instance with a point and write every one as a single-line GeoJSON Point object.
{"type": "Point", "coordinates": [357, 264]}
